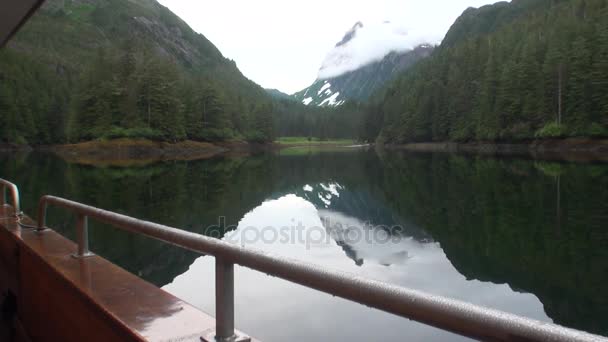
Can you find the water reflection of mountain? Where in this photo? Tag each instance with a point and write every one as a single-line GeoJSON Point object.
{"type": "Point", "coordinates": [359, 204]}
{"type": "Point", "coordinates": [500, 221]}
{"type": "Point", "coordinates": [362, 217]}
{"type": "Point", "coordinates": [366, 242]}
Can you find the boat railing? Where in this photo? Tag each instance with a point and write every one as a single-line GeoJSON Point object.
{"type": "Point", "coordinates": [6, 185]}
{"type": "Point", "coordinates": [444, 313]}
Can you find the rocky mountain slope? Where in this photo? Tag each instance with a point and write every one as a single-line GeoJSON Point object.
{"type": "Point", "coordinates": [363, 62]}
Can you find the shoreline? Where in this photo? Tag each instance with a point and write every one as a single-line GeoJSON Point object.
{"type": "Point", "coordinates": [139, 152]}
{"type": "Point", "coordinates": [570, 149]}
{"type": "Point", "coordinates": [132, 152]}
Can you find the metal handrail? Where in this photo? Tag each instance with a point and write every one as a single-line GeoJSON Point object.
{"type": "Point", "coordinates": [14, 194]}
{"type": "Point", "coordinates": [448, 314]}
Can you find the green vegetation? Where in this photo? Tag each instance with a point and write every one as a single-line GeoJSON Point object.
{"type": "Point", "coordinates": [505, 72]}
{"type": "Point", "coordinates": [511, 71]}
{"type": "Point", "coordinates": [312, 150]}
{"type": "Point", "coordinates": [295, 119]}
{"type": "Point", "coordinates": [119, 68]}
{"type": "Point", "coordinates": [313, 141]}
{"type": "Point", "coordinates": [132, 69]}
{"type": "Point", "coordinates": [552, 130]}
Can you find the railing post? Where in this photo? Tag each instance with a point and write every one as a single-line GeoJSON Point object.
{"type": "Point", "coordinates": [3, 197]}
{"type": "Point", "coordinates": [224, 303]}
{"type": "Point", "coordinates": [224, 300]}
{"type": "Point", "coordinates": [82, 237]}
{"type": "Point", "coordinates": [6, 185]}
{"type": "Point", "coordinates": [42, 206]}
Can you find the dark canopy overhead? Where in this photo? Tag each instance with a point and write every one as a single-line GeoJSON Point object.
{"type": "Point", "coordinates": [13, 14]}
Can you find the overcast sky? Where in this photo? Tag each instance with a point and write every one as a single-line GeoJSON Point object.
{"type": "Point", "coordinates": [281, 44]}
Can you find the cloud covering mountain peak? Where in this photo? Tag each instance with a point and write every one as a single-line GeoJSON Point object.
{"type": "Point", "coordinates": [368, 43]}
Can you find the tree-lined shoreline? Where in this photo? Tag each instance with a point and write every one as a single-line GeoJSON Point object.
{"type": "Point", "coordinates": [508, 72]}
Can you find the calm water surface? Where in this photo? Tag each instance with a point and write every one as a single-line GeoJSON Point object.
{"type": "Point", "coordinates": [524, 236]}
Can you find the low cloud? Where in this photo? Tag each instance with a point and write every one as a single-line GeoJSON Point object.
{"type": "Point", "coordinates": [371, 43]}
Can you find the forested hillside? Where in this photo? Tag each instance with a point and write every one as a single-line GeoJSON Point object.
{"type": "Point", "coordinates": [509, 71]}
{"type": "Point", "coordinates": [83, 69]}
{"type": "Point", "coordinates": [296, 119]}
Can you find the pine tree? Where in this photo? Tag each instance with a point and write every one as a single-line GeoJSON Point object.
{"type": "Point", "coordinates": [487, 126]}
{"type": "Point", "coordinates": [159, 100]}
{"type": "Point", "coordinates": [8, 111]}
{"type": "Point", "coordinates": [579, 86]}
{"type": "Point", "coordinates": [554, 78]}
{"type": "Point", "coordinates": [264, 124]}
{"type": "Point", "coordinates": [599, 77]}
{"type": "Point", "coordinates": [530, 84]}
{"type": "Point", "coordinates": [213, 112]}
{"type": "Point", "coordinates": [126, 92]}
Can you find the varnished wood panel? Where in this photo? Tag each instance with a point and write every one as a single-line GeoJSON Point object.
{"type": "Point", "coordinates": [51, 309]}
{"type": "Point", "coordinates": [9, 256]}
{"type": "Point", "coordinates": [66, 299]}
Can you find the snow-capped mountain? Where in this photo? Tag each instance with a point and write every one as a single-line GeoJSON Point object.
{"type": "Point", "coordinates": [367, 57]}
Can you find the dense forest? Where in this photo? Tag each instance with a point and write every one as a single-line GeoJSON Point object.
{"type": "Point", "coordinates": [509, 71]}
{"type": "Point", "coordinates": [137, 94]}
{"type": "Point", "coordinates": [297, 120]}
{"type": "Point", "coordinates": [82, 70]}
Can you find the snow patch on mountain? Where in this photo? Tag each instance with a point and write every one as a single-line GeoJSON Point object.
{"type": "Point", "coordinates": [368, 43]}
{"type": "Point", "coordinates": [331, 101]}
{"type": "Point", "coordinates": [324, 87]}
{"type": "Point", "coordinates": [321, 94]}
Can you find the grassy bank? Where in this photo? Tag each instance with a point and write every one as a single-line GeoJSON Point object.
{"type": "Point", "coordinates": [303, 141]}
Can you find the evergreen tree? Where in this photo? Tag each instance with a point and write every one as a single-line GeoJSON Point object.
{"type": "Point", "coordinates": [158, 99]}
{"type": "Point", "coordinates": [599, 76]}
{"type": "Point", "coordinates": [488, 125]}
{"type": "Point", "coordinates": [508, 71]}
{"type": "Point", "coordinates": [579, 87]}
{"type": "Point", "coordinates": [263, 124]}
